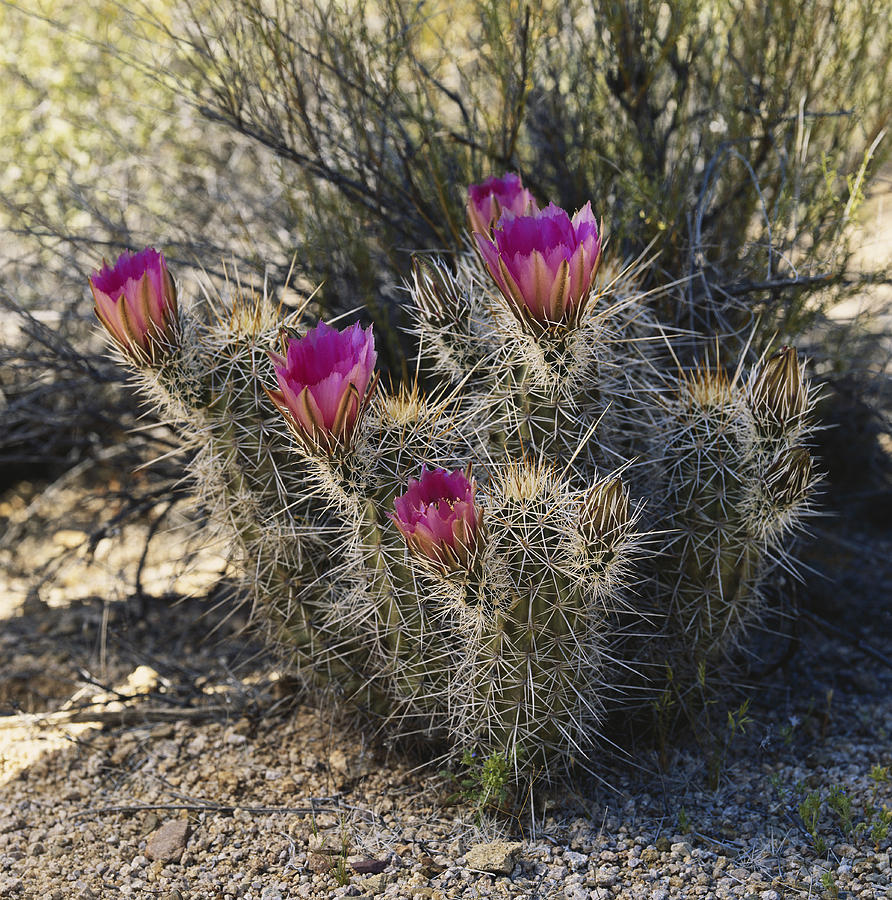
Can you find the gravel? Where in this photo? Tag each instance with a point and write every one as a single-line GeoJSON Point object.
{"type": "Point", "coordinates": [147, 749]}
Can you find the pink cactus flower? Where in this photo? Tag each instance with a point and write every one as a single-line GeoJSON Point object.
{"type": "Point", "coordinates": [324, 384]}
{"type": "Point", "coordinates": [438, 518]}
{"type": "Point", "coordinates": [136, 301]}
{"type": "Point", "coordinates": [487, 201]}
{"type": "Point", "coordinates": [544, 264]}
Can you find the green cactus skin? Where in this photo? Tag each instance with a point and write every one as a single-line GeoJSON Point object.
{"type": "Point", "coordinates": [630, 514]}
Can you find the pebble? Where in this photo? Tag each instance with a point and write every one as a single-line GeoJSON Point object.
{"type": "Point", "coordinates": [496, 857]}
{"type": "Point", "coordinates": [575, 860]}
{"type": "Point", "coordinates": [167, 843]}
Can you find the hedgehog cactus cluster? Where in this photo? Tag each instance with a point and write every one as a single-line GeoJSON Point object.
{"type": "Point", "coordinates": [502, 558]}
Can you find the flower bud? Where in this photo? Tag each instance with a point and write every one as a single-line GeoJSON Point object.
{"type": "Point", "coordinates": [789, 476]}
{"type": "Point", "coordinates": [136, 301]}
{"type": "Point", "coordinates": [778, 396]}
{"type": "Point", "coordinates": [487, 201]}
{"type": "Point", "coordinates": [439, 519]}
{"type": "Point", "coordinates": [438, 303]}
{"type": "Point", "coordinates": [605, 515]}
{"type": "Point", "coordinates": [325, 380]}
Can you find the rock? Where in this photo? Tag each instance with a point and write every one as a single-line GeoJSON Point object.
{"type": "Point", "coordinates": [243, 726]}
{"type": "Point", "coordinates": [69, 538]}
{"type": "Point", "coordinates": [429, 867]}
{"type": "Point", "coordinates": [649, 855]}
{"type": "Point", "coordinates": [369, 866]}
{"type": "Point", "coordinates": [169, 841]}
{"type": "Point", "coordinates": [683, 848]}
{"type": "Point", "coordinates": [338, 763]}
{"type": "Point", "coordinates": [123, 751]}
{"type": "Point", "coordinates": [151, 823]}
{"type": "Point", "coordinates": [575, 860]}
{"type": "Point", "coordinates": [497, 857]}
{"type": "Point", "coordinates": [271, 893]}
{"type": "Point", "coordinates": [142, 680]}
{"type": "Point", "coordinates": [197, 745]}
{"type": "Point", "coordinates": [321, 863]}
{"type": "Point", "coordinates": [229, 781]}
{"type": "Point", "coordinates": [375, 884]}
{"type": "Point", "coordinates": [323, 852]}
{"type": "Point", "coordinates": [322, 842]}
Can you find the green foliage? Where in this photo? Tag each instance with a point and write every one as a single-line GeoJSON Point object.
{"type": "Point", "coordinates": [880, 823]}
{"type": "Point", "coordinates": [97, 156]}
{"type": "Point", "coordinates": [739, 719]}
{"type": "Point", "coordinates": [338, 138]}
{"type": "Point", "coordinates": [684, 129]}
{"type": "Point", "coordinates": [879, 820]}
{"type": "Point", "coordinates": [696, 705]}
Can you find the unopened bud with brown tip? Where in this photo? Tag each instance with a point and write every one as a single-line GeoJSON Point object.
{"type": "Point", "coordinates": [778, 396]}
{"type": "Point", "coordinates": [789, 476]}
{"type": "Point", "coordinates": [605, 515]}
{"type": "Point", "coordinates": [438, 304]}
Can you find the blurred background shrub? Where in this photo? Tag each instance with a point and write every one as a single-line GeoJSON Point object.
{"type": "Point", "coordinates": [326, 141]}
{"type": "Point", "coordinates": [734, 138]}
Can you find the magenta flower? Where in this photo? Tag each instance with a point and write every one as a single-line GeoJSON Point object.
{"type": "Point", "coordinates": [544, 264]}
{"type": "Point", "coordinates": [438, 518]}
{"type": "Point", "coordinates": [324, 382]}
{"type": "Point", "coordinates": [487, 201]}
{"type": "Point", "coordinates": [137, 303]}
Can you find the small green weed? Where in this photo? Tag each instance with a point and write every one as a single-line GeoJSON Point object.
{"type": "Point", "coordinates": [778, 787]}
{"type": "Point", "coordinates": [841, 804]}
{"type": "Point", "coordinates": [737, 722]}
{"type": "Point", "coordinates": [854, 821]}
{"type": "Point", "coordinates": [829, 883]}
{"type": "Point", "coordinates": [484, 783]}
{"type": "Point", "coordinates": [879, 829]}
{"type": "Point", "coordinates": [788, 730]}
{"type": "Point", "coordinates": [810, 810]}
{"type": "Point", "coordinates": [341, 872]}
{"type": "Point", "coordinates": [878, 821]}
{"type": "Point", "coordinates": [739, 719]}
